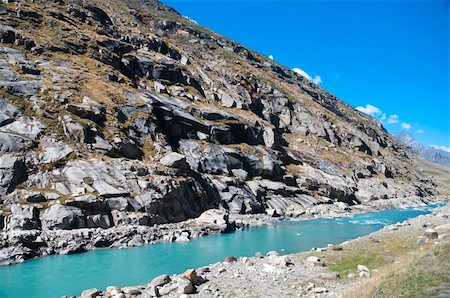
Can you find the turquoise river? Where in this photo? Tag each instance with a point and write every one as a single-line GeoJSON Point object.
{"type": "Point", "coordinates": [54, 276]}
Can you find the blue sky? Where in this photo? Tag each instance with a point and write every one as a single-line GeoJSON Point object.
{"type": "Point", "coordinates": [389, 58]}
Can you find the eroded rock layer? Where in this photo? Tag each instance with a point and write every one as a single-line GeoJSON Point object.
{"type": "Point", "coordinates": [124, 113]}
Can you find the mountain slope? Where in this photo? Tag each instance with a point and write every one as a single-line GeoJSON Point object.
{"type": "Point", "coordinates": [429, 153]}
{"type": "Point", "coordinates": [118, 113]}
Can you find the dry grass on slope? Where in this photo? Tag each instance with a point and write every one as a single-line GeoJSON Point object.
{"type": "Point", "coordinates": [399, 266]}
{"type": "Point", "coordinates": [440, 174]}
{"type": "Point", "coordinates": [417, 274]}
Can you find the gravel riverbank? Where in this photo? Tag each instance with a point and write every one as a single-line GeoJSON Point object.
{"type": "Point", "coordinates": [317, 273]}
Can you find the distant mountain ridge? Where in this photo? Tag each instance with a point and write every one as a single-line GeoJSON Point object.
{"type": "Point", "coordinates": [429, 153]}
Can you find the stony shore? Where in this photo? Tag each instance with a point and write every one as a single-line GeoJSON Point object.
{"type": "Point", "coordinates": [312, 274]}
{"type": "Point", "coordinates": [20, 245]}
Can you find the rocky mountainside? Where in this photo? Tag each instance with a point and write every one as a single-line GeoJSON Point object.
{"type": "Point", "coordinates": [426, 152]}
{"type": "Point", "coordinates": [124, 113]}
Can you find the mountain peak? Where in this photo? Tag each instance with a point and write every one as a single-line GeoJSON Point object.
{"type": "Point", "coordinates": [429, 153]}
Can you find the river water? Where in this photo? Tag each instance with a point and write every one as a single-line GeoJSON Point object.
{"type": "Point", "coordinates": [54, 276]}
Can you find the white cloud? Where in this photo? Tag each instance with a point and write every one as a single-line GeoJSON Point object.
{"type": "Point", "coordinates": [270, 57]}
{"type": "Point", "coordinates": [420, 131]}
{"type": "Point", "coordinates": [317, 79]}
{"type": "Point", "coordinates": [301, 72]}
{"type": "Point", "coordinates": [383, 117]}
{"type": "Point", "coordinates": [370, 110]}
{"type": "Point", "coordinates": [445, 148]}
{"type": "Point", "coordinates": [406, 125]}
{"type": "Point", "coordinates": [393, 119]}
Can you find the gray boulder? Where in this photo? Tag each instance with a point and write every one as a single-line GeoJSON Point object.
{"type": "Point", "coordinates": [160, 281]}
{"type": "Point", "coordinates": [25, 127]}
{"type": "Point", "coordinates": [215, 219]}
{"type": "Point", "coordinates": [62, 217]}
{"type": "Point", "coordinates": [119, 203]}
{"type": "Point", "coordinates": [89, 109]}
{"type": "Point", "coordinates": [12, 173]}
{"type": "Point", "coordinates": [53, 150]}
{"type": "Point", "coordinates": [98, 221]}
{"type": "Point", "coordinates": [22, 88]}
{"type": "Point", "coordinates": [23, 217]}
{"type": "Point", "coordinates": [7, 112]}
{"type": "Point", "coordinates": [175, 160]}
{"type": "Point", "coordinates": [13, 143]}
{"type": "Point", "coordinates": [90, 293]}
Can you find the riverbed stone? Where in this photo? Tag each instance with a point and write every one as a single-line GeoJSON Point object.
{"type": "Point", "coordinates": [362, 268]}
{"type": "Point", "coordinates": [272, 253]}
{"type": "Point", "coordinates": [168, 288]}
{"type": "Point", "coordinates": [90, 293]}
{"type": "Point", "coordinates": [314, 261]}
{"type": "Point", "coordinates": [160, 280]}
{"type": "Point", "coordinates": [191, 275]}
{"type": "Point", "coordinates": [184, 286]}
{"type": "Point", "coordinates": [431, 234]}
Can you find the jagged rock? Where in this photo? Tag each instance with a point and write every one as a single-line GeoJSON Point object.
{"type": "Point", "coordinates": [131, 151]}
{"type": "Point", "coordinates": [119, 203]}
{"type": "Point", "coordinates": [29, 15]}
{"type": "Point", "coordinates": [62, 217]}
{"type": "Point", "coordinates": [175, 160]}
{"type": "Point", "coordinates": [12, 172]}
{"type": "Point", "coordinates": [227, 100]}
{"type": "Point", "coordinates": [7, 112]}
{"type": "Point", "coordinates": [270, 138]}
{"type": "Point", "coordinates": [99, 14]}
{"type": "Point", "coordinates": [220, 160]}
{"type": "Point", "coordinates": [94, 113]}
{"type": "Point", "coordinates": [13, 143]}
{"type": "Point", "coordinates": [164, 25]}
{"type": "Point", "coordinates": [191, 275]}
{"type": "Point", "coordinates": [25, 127]}
{"type": "Point", "coordinates": [36, 198]}
{"type": "Point", "coordinates": [160, 88]}
{"type": "Point", "coordinates": [22, 88]}
{"type": "Point", "coordinates": [23, 217]}
{"type": "Point", "coordinates": [54, 150]}
{"type": "Point", "coordinates": [184, 285]}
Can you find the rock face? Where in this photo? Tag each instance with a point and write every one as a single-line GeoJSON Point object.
{"type": "Point", "coordinates": [120, 129]}
{"type": "Point", "coordinates": [63, 217]}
